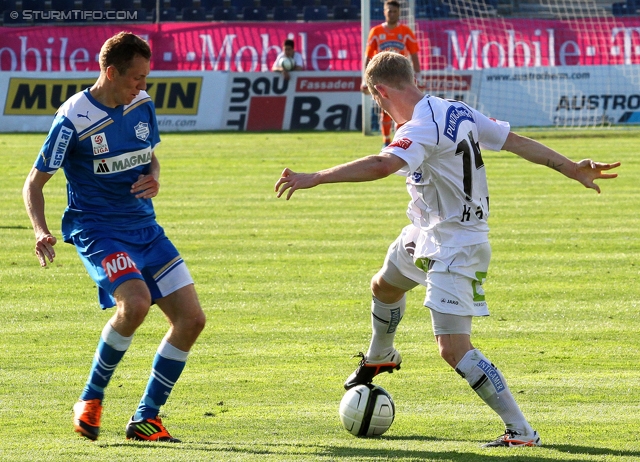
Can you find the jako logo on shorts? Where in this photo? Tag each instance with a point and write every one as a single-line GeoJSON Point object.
{"type": "Point", "coordinates": [118, 264]}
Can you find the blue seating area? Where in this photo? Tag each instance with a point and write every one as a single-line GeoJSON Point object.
{"type": "Point", "coordinates": [628, 8]}
{"type": "Point", "coordinates": [217, 10]}
{"type": "Point", "coordinates": [280, 10]}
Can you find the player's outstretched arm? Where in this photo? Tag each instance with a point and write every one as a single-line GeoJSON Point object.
{"type": "Point", "coordinates": [585, 171]}
{"type": "Point", "coordinates": [365, 169]}
{"type": "Point", "coordinates": [33, 196]}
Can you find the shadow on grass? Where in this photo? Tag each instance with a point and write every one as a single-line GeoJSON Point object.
{"type": "Point", "coordinates": [544, 453]}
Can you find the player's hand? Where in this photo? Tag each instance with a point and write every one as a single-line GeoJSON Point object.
{"type": "Point", "coordinates": [292, 181]}
{"type": "Point", "coordinates": [146, 187]}
{"type": "Point", "coordinates": [587, 171]}
{"type": "Point", "coordinates": [44, 248]}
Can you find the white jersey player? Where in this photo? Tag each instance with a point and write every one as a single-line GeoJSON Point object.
{"type": "Point", "coordinates": [445, 248]}
{"type": "Point", "coordinates": [449, 204]}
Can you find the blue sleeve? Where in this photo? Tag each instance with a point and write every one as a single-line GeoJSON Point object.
{"type": "Point", "coordinates": [154, 129]}
{"type": "Point", "coordinates": [60, 141]}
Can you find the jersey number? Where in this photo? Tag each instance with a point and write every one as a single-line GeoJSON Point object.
{"type": "Point", "coordinates": [465, 149]}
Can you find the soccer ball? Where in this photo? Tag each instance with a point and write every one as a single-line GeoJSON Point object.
{"type": "Point", "coordinates": [367, 410]}
{"type": "Point", "coordinates": [288, 64]}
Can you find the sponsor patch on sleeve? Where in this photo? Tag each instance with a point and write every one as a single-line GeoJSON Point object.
{"type": "Point", "coordinates": [403, 143]}
{"type": "Point", "coordinates": [60, 147]}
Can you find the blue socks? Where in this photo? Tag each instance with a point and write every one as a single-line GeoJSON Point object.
{"type": "Point", "coordinates": [167, 367]}
{"type": "Point", "coordinates": [111, 348]}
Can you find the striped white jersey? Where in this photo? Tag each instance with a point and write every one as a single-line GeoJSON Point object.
{"type": "Point", "coordinates": [445, 172]}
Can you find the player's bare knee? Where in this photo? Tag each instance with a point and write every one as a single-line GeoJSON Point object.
{"type": "Point", "coordinates": [375, 285]}
{"type": "Point", "coordinates": [449, 355]}
{"type": "Point", "coordinates": [134, 309]}
{"type": "Point", "coordinates": [191, 323]}
{"type": "Point", "coordinates": [198, 322]}
{"type": "Point", "coordinates": [384, 291]}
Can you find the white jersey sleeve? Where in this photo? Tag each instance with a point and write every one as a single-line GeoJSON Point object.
{"type": "Point", "coordinates": [276, 63]}
{"type": "Point", "coordinates": [492, 133]}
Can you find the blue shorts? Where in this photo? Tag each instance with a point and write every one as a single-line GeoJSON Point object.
{"type": "Point", "coordinates": [114, 257]}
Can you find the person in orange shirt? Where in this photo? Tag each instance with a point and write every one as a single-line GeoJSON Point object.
{"type": "Point", "coordinates": [391, 36]}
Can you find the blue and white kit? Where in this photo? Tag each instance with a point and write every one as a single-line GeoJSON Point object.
{"type": "Point", "coordinates": [102, 152]}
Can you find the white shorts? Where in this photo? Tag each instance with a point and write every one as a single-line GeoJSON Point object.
{"type": "Point", "coordinates": [453, 279]}
{"type": "Point", "coordinates": [444, 323]}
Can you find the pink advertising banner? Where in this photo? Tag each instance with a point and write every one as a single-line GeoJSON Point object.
{"type": "Point", "coordinates": [330, 46]}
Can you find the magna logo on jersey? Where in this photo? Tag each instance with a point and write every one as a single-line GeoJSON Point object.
{"type": "Point", "coordinates": [99, 144]}
{"type": "Point", "coordinates": [403, 143]}
{"type": "Point", "coordinates": [60, 147]}
{"type": "Point", "coordinates": [122, 162]}
{"type": "Point", "coordinates": [118, 264]}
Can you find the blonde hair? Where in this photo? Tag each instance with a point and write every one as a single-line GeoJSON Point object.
{"type": "Point", "coordinates": [388, 68]}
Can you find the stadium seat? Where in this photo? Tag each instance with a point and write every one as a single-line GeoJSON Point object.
{"type": "Point", "coordinates": [491, 4]}
{"type": "Point", "coordinates": [93, 5]}
{"type": "Point", "coordinates": [122, 5]}
{"type": "Point", "coordinates": [345, 13]}
{"type": "Point", "coordinates": [63, 5]}
{"type": "Point", "coordinates": [315, 13]}
{"type": "Point", "coordinates": [619, 9]}
{"type": "Point", "coordinates": [225, 13]}
{"type": "Point", "coordinates": [168, 14]}
{"type": "Point", "coordinates": [433, 9]}
{"type": "Point", "coordinates": [301, 4]}
{"type": "Point", "coordinates": [34, 5]}
{"type": "Point", "coordinates": [377, 13]}
{"type": "Point", "coordinates": [180, 5]}
{"type": "Point", "coordinates": [150, 5]}
{"type": "Point", "coordinates": [255, 13]}
{"type": "Point", "coordinates": [285, 13]}
{"type": "Point", "coordinates": [240, 5]}
{"type": "Point", "coordinates": [194, 14]}
{"type": "Point", "coordinates": [269, 4]}
{"type": "Point", "coordinates": [8, 5]}
{"type": "Point", "coordinates": [209, 5]}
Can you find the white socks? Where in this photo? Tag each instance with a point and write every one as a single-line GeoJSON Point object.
{"type": "Point", "coordinates": [384, 321]}
{"type": "Point", "coordinates": [487, 381]}
{"type": "Point", "coordinates": [114, 339]}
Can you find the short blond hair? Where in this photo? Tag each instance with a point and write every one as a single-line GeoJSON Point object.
{"type": "Point", "coordinates": [389, 68]}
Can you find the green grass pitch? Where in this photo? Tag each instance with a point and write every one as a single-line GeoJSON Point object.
{"type": "Point", "coordinates": [285, 286]}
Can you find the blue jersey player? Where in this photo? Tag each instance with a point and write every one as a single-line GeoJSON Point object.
{"type": "Point", "coordinates": [104, 139]}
